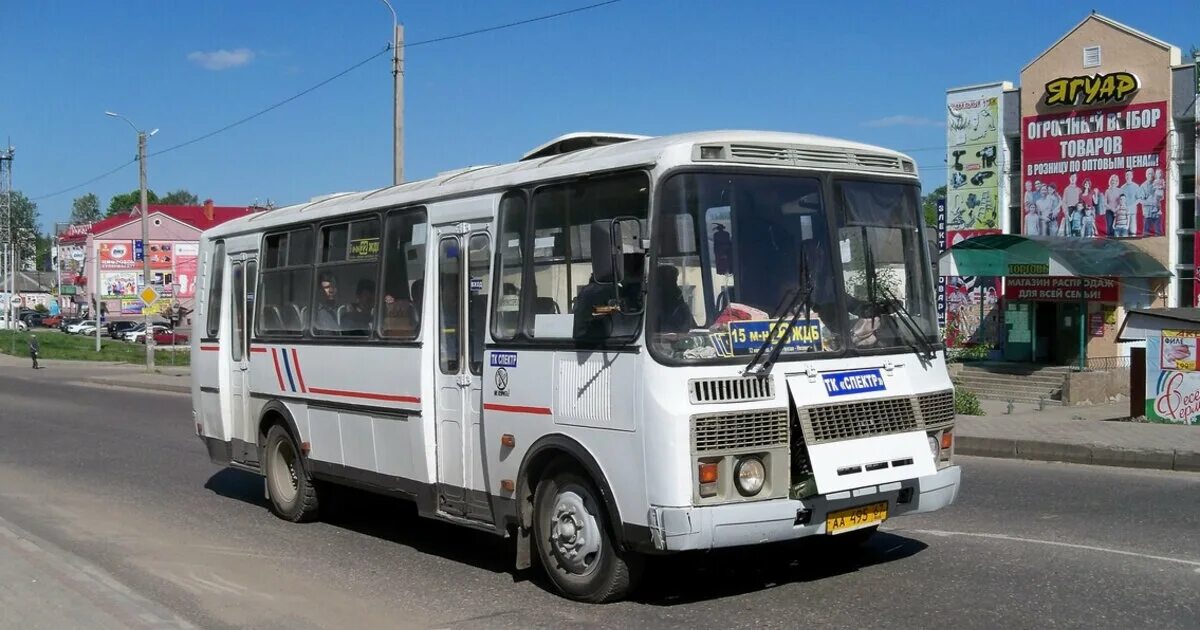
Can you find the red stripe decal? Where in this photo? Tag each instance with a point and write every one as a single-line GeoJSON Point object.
{"type": "Point", "coordinates": [367, 395]}
{"type": "Point", "coordinates": [209, 348]}
{"type": "Point", "coordinates": [278, 374]}
{"type": "Point", "coordinates": [299, 376]}
{"type": "Point", "coordinates": [541, 411]}
{"type": "Point", "coordinates": [257, 349]}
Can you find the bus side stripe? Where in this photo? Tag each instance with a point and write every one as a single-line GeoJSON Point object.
{"type": "Point", "coordinates": [366, 395]}
{"type": "Point", "coordinates": [299, 374]}
{"type": "Point", "coordinates": [541, 411]}
{"type": "Point", "coordinates": [278, 374]}
{"type": "Point", "coordinates": [288, 369]}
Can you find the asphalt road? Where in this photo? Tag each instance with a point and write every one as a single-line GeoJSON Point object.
{"type": "Point", "coordinates": [115, 478]}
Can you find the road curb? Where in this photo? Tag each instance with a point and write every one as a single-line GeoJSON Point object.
{"type": "Point", "coordinates": [175, 388]}
{"type": "Point", "coordinates": [1039, 450]}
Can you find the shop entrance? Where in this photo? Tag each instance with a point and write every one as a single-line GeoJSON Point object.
{"type": "Point", "coordinates": [1042, 332]}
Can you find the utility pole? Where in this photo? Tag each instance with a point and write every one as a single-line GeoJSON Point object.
{"type": "Point", "coordinates": [6, 163]}
{"type": "Point", "coordinates": [142, 137]}
{"type": "Point", "coordinates": [397, 97]}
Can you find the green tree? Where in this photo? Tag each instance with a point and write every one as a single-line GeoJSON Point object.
{"type": "Point", "coordinates": [180, 197]}
{"type": "Point", "coordinates": [25, 227]}
{"type": "Point", "coordinates": [85, 209]}
{"type": "Point", "coordinates": [124, 202]}
{"type": "Point", "coordinates": [929, 205]}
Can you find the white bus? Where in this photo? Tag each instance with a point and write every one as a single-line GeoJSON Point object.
{"type": "Point", "coordinates": [616, 346]}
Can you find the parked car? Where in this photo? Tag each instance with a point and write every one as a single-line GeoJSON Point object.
{"type": "Point", "coordinates": [139, 336]}
{"type": "Point", "coordinates": [32, 320]}
{"type": "Point", "coordinates": [170, 338]}
{"type": "Point", "coordinates": [52, 321]}
{"type": "Point", "coordinates": [67, 321]}
{"type": "Point", "coordinates": [77, 327]}
{"type": "Point", "coordinates": [5, 324]}
{"type": "Point", "coordinates": [117, 330]}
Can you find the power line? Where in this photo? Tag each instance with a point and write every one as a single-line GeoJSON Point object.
{"type": "Point", "coordinates": [339, 75]}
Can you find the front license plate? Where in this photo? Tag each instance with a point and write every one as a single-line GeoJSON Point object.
{"type": "Point", "coordinates": [844, 521]}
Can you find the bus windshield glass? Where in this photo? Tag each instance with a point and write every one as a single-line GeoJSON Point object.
{"type": "Point", "coordinates": [739, 257]}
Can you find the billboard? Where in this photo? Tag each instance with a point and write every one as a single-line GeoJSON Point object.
{"type": "Point", "coordinates": [117, 255]}
{"type": "Point", "coordinates": [1172, 382]}
{"type": "Point", "coordinates": [1095, 173]}
{"type": "Point", "coordinates": [120, 283]}
{"type": "Point", "coordinates": [186, 261]}
{"type": "Point", "coordinates": [162, 255]}
{"type": "Point", "coordinates": [974, 157]}
{"type": "Point", "coordinates": [71, 258]}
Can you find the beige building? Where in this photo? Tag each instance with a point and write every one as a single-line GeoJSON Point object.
{"type": "Point", "coordinates": [1094, 167]}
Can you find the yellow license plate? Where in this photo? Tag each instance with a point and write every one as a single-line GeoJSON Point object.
{"type": "Point", "coordinates": [856, 518]}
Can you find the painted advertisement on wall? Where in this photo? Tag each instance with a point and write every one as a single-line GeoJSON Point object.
{"type": "Point", "coordinates": [120, 283]}
{"type": "Point", "coordinates": [1095, 173]}
{"type": "Point", "coordinates": [1172, 381]}
{"type": "Point", "coordinates": [186, 257]}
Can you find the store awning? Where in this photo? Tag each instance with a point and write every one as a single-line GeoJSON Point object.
{"type": "Point", "coordinates": [1013, 255]}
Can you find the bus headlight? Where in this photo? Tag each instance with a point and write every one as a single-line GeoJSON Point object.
{"type": "Point", "coordinates": [749, 476]}
{"type": "Point", "coordinates": [934, 446]}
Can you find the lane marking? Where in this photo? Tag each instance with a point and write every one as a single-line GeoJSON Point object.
{"type": "Point", "coordinates": [1055, 543]}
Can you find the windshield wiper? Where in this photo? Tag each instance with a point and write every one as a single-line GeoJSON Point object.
{"type": "Point", "coordinates": [897, 308]}
{"type": "Point", "coordinates": [800, 297]}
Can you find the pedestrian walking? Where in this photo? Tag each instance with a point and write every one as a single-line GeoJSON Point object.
{"type": "Point", "coordinates": [34, 349]}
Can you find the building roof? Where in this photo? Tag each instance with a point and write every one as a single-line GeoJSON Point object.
{"type": "Point", "coordinates": [1114, 24]}
{"type": "Point", "coordinates": [1141, 323]}
{"type": "Point", "coordinates": [1176, 313]}
{"type": "Point", "coordinates": [189, 215]}
{"type": "Point", "coordinates": [31, 281]}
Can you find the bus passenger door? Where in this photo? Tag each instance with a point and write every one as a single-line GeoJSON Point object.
{"type": "Point", "coordinates": [464, 260]}
{"type": "Point", "coordinates": [241, 285]}
{"type": "Point", "coordinates": [451, 377]}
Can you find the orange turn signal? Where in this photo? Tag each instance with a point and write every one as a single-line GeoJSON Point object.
{"type": "Point", "coordinates": [947, 440]}
{"type": "Point", "coordinates": [507, 485]}
{"type": "Point", "coordinates": [708, 473]}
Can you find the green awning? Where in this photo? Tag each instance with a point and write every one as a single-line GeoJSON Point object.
{"type": "Point", "coordinates": [1014, 255]}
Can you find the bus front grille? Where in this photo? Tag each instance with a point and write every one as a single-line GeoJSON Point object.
{"type": "Point", "coordinates": [852, 420]}
{"type": "Point", "coordinates": [730, 389]}
{"type": "Point", "coordinates": [740, 430]}
{"type": "Point", "coordinates": [937, 409]}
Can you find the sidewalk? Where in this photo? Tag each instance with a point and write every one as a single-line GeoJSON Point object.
{"type": "Point", "coordinates": [166, 378]}
{"type": "Point", "coordinates": [44, 587]}
{"type": "Point", "coordinates": [1081, 435]}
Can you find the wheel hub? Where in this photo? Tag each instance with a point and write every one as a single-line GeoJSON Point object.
{"type": "Point", "coordinates": [574, 533]}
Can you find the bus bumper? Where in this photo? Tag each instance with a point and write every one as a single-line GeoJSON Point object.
{"type": "Point", "coordinates": [732, 525]}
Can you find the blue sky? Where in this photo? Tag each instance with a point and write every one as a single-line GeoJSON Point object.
{"type": "Point", "coordinates": [869, 71]}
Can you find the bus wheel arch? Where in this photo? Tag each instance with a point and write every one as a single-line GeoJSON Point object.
{"type": "Point", "coordinates": [553, 450]}
{"type": "Point", "coordinates": [291, 491]}
{"type": "Point", "coordinates": [275, 412]}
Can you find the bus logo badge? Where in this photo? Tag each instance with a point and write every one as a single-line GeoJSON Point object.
{"type": "Point", "coordinates": [501, 382]}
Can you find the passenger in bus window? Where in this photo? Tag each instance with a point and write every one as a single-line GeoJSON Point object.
{"type": "Point", "coordinates": [325, 318]}
{"type": "Point", "coordinates": [356, 319]}
{"type": "Point", "coordinates": [399, 318]}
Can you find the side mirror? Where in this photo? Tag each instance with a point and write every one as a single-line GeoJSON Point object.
{"type": "Point", "coordinates": [612, 241]}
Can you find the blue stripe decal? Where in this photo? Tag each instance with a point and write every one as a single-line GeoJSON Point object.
{"type": "Point", "coordinates": [287, 367]}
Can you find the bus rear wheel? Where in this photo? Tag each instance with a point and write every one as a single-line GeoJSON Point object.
{"type": "Point", "coordinates": [291, 490]}
{"type": "Point", "coordinates": [573, 541]}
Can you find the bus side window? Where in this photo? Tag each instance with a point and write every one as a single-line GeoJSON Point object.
{"type": "Point", "coordinates": [285, 282]}
{"type": "Point", "coordinates": [510, 246]}
{"type": "Point", "coordinates": [216, 281]}
{"type": "Point", "coordinates": [403, 274]}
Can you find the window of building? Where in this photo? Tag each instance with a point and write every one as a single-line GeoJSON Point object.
{"type": "Point", "coordinates": [1187, 214]}
{"type": "Point", "coordinates": [285, 283]}
{"type": "Point", "coordinates": [1184, 287]}
{"type": "Point", "coordinates": [403, 274]}
{"type": "Point", "coordinates": [347, 276]}
{"type": "Point", "coordinates": [1187, 255]}
{"type": "Point", "coordinates": [216, 280]}
{"type": "Point", "coordinates": [1091, 56]}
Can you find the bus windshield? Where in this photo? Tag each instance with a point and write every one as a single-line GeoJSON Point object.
{"type": "Point", "coordinates": [739, 256]}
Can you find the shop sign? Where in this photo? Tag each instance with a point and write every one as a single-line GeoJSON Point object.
{"type": "Point", "coordinates": [1094, 90]}
{"type": "Point", "coordinates": [1061, 289]}
{"type": "Point", "coordinates": [1028, 269]}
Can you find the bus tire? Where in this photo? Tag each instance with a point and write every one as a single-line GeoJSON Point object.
{"type": "Point", "coordinates": [292, 492]}
{"type": "Point", "coordinates": [571, 533]}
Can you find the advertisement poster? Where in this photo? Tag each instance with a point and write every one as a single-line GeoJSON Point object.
{"type": "Point", "coordinates": [117, 255]}
{"type": "Point", "coordinates": [972, 313]}
{"type": "Point", "coordinates": [1096, 324]}
{"type": "Point", "coordinates": [1095, 173]}
{"type": "Point", "coordinates": [131, 307]}
{"type": "Point", "coordinates": [186, 257]}
{"type": "Point", "coordinates": [973, 157]}
{"type": "Point", "coordinates": [70, 262]}
{"type": "Point", "coordinates": [120, 283]}
{"type": "Point", "coordinates": [1172, 382]}
{"type": "Point", "coordinates": [1061, 289]}
{"type": "Point", "coordinates": [162, 255]}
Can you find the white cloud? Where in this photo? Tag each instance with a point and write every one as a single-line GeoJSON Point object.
{"type": "Point", "coordinates": [904, 120]}
{"type": "Point", "coordinates": [221, 59]}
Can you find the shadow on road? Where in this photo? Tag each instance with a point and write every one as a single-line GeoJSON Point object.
{"type": "Point", "coordinates": [670, 580]}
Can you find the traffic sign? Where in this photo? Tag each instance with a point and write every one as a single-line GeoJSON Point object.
{"type": "Point", "coordinates": [148, 294]}
{"type": "Point", "coordinates": [139, 250]}
{"type": "Point", "coordinates": [16, 299]}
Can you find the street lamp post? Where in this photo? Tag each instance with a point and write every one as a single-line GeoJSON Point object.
{"type": "Point", "coordinates": [397, 97]}
{"type": "Point", "coordinates": [142, 137]}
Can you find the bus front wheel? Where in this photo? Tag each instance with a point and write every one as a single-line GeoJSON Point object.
{"type": "Point", "coordinates": [291, 490]}
{"type": "Point", "coordinates": [573, 541]}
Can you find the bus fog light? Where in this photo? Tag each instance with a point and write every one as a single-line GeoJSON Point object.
{"type": "Point", "coordinates": [934, 446]}
{"type": "Point", "coordinates": [707, 476]}
{"type": "Point", "coordinates": [749, 476]}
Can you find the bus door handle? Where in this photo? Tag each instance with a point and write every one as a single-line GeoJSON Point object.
{"type": "Point", "coordinates": [464, 380]}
